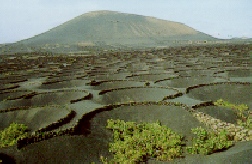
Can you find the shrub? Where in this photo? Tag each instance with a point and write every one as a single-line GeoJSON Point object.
{"type": "Point", "coordinates": [207, 142]}
{"type": "Point", "coordinates": [10, 136]}
{"type": "Point", "coordinates": [134, 142]}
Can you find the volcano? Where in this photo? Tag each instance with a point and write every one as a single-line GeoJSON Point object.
{"type": "Point", "coordinates": [111, 27]}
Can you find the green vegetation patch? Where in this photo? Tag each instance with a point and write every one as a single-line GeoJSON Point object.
{"type": "Point", "coordinates": [135, 142]}
{"type": "Point", "coordinates": [207, 142]}
{"type": "Point", "coordinates": [10, 135]}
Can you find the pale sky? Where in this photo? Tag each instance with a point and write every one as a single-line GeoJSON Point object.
{"type": "Point", "coordinates": [22, 19]}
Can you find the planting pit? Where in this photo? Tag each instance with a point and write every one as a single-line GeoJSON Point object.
{"type": "Point", "coordinates": [137, 94]}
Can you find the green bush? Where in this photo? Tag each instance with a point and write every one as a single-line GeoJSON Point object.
{"type": "Point", "coordinates": [208, 142]}
{"type": "Point", "coordinates": [135, 142]}
{"type": "Point", "coordinates": [10, 136]}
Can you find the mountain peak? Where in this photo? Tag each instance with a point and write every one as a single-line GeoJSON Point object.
{"type": "Point", "coordinates": [100, 12]}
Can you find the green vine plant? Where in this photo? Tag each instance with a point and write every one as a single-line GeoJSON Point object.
{"type": "Point", "coordinates": [244, 116]}
{"type": "Point", "coordinates": [208, 142]}
{"type": "Point", "coordinates": [10, 135]}
{"type": "Point", "coordinates": [136, 142]}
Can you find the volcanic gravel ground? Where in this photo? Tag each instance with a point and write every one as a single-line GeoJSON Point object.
{"type": "Point", "coordinates": [46, 93]}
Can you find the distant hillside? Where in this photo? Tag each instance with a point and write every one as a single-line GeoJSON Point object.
{"type": "Point", "coordinates": [110, 27]}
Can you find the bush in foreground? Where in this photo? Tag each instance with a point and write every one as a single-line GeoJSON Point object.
{"type": "Point", "coordinates": [135, 142]}
{"type": "Point", "coordinates": [208, 142]}
{"type": "Point", "coordinates": [10, 135]}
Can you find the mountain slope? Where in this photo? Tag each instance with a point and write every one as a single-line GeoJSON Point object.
{"type": "Point", "coordinates": [110, 27]}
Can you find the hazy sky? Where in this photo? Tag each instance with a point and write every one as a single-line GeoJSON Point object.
{"type": "Point", "coordinates": [22, 19]}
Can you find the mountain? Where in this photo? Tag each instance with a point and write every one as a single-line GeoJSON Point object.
{"type": "Point", "coordinates": [113, 28]}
